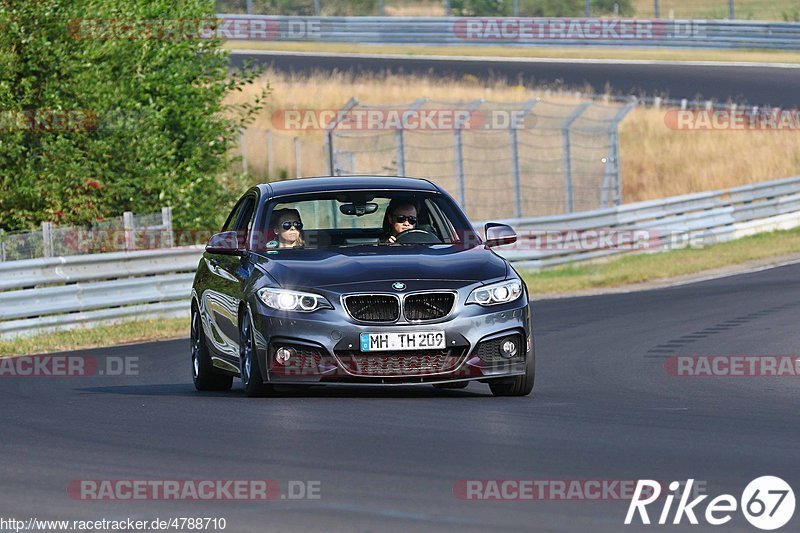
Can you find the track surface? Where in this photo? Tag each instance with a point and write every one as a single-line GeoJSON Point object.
{"type": "Point", "coordinates": [742, 84]}
{"type": "Point", "coordinates": [604, 408]}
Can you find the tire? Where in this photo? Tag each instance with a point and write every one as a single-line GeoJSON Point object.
{"type": "Point", "coordinates": [204, 375]}
{"type": "Point", "coordinates": [519, 385]}
{"type": "Point", "coordinates": [456, 385]}
{"type": "Point", "coordinates": [250, 367]}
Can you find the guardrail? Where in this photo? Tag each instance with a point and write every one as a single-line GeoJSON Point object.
{"type": "Point", "coordinates": [56, 293]}
{"type": "Point", "coordinates": [670, 33]}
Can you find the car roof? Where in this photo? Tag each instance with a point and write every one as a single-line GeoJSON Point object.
{"type": "Point", "coordinates": [346, 183]}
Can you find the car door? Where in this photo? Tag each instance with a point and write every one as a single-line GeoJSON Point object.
{"type": "Point", "coordinates": [228, 275]}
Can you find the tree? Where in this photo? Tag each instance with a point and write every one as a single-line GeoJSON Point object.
{"type": "Point", "coordinates": [103, 110]}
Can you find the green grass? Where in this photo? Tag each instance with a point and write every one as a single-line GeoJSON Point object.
{"type": "Point", "coordinates": [753, 56]}
{"type": "Point", "coordinates": [638, 268]}
{"type": "Point", "coordinates": [78, 339]}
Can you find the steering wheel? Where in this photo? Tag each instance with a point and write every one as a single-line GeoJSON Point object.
{"type": "Point", "coordinates": [417, 236]}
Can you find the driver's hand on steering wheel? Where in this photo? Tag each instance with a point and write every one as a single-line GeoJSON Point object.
{"type": "Point", "coordinates": [392, 239]}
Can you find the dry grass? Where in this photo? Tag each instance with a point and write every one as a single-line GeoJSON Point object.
{"type": "Point", "coordinates": [411, 8]}
{"type": "Point", "coordinates": [656, 161]}
{"type": "Point", "coordinates": [700, 9]}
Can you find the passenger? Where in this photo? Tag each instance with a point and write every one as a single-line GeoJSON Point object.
{"type": "Point", "coordinates": [401, 215]}
{"type": "Point", "coordinates": [288, 227]}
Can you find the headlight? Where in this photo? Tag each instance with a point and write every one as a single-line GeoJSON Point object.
{"type": "Point", "coordinates": [496, 293]}
{"type": "Point", "coordinates": [282, 300]}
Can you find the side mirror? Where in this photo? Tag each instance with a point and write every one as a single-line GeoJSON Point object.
{"type": "Point", "coordinates": [226, 242]}
{"type": "Point", "coordinates": [499, 234]}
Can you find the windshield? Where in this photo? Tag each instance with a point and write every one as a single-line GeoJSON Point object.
{"type": "Point", "coordinates": [360, 218]}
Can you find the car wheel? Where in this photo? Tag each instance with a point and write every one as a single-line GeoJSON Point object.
{"type": "Point", "coordinates": [456, 385]}
{"type": "Point", "coordinates": [520, 385]}
{"type": "Point", "coordinates": [204, 376]}
{"type": "Point", "coordinates": [250, 367]}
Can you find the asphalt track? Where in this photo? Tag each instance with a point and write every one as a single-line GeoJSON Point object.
{"type": "Point", "coordinates": [753, 84]}
{"type": "Point", "coordinates": [604, 408]}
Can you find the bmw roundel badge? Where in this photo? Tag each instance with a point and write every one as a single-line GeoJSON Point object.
{"type": "Point", "coordinates": [399, 286]}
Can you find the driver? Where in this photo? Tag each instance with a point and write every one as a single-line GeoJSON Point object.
{"type": "Point", "coordinates": [401, 215]}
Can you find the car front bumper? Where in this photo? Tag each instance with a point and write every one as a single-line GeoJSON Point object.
{"type": "Point", "coordinates": [326, 348]}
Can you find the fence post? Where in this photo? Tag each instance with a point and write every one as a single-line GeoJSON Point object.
{"type": "Point", "coordinates": [329, 155]}
{"type": "Point", "coordinates": [317, 9]}
{"type": "Point", "coordinates": [612, 169]}
{"type": "Point", "coordinates": [656, 10]}
{"type": "Point", "coordinates": [380, 8]}
{"type": "Point", "coordinates": [249, 7]}
{"type": "Point", "coordinates": [587, 8]}
{"type": "Point", "coordinates": [298, 158]}
{"type": "Point", "coordinates": [270, 160]}
{"type": "Point", "coordinates": [447, 11]}
{"type": "Point", "coordinates": [516, 8]}
{"type": "Point", "coordinates": [399, 137]}
{"type": "Point", "coordinates": [513, 127]}
{"type": "Point", "coordinates": [166, 221]}
{"type": "Point", "coordinates": [569, 200]}
{"type": "Point", "coordinates": [127, 226]}
{"type": "Point", "coordinates": [2, 246]}
{"type": "Point", "coordinates": [462, 194]}
{"type": "Point", "coordinates": [461, 185]}
{"type": "Point", "coordinates": [47, 239]}
{"type": "Point", "coordinates": [731, 10]}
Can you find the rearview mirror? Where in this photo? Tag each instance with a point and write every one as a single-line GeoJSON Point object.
{"type": "Point", "coordinates": [226, 242]}
{"type": "Point", "coordinates": [499, 234]}
{"type": "Point", "coordinates": [358, 209]}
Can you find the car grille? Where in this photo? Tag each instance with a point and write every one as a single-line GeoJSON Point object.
{"type": "Point", "coordinates": [489, 351]}
{"type": "Point", "coordinates": [428, 306]}
{"type": "Point", "coordinates": [396, 364]}
{"type": "Point", "coordinates": [373, 307]}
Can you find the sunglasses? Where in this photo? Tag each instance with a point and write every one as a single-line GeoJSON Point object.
{"type": "Point", "coordinates": [402, 218]}
{"type": "Point", "coordinates": [288, 225]}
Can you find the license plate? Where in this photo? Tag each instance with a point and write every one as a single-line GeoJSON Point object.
{"type": "Point", "coordinates": [416, 340]}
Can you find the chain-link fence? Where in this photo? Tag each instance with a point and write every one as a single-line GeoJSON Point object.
{"type": "Point", "coordinates": [126, 233]}
{"type": "Point", "coordinates": [786, 10]}
{"type": "Point", "coordinates": [498, 160]}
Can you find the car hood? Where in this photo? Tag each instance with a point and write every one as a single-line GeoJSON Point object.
{"type": "Point", "coordinates": [357, 265]}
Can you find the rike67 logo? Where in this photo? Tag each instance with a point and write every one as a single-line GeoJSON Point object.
{"type": "Point", "coordinates": [767, 503]}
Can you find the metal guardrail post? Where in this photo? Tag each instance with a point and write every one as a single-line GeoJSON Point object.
{"type": "Point", "coordinates": [656, 10]}
{"type": "Point", "coordinates": [587, 8]}
{"type": "Point", "coordinates": [166, 221]}
{"type": "Point", "coordinates": [513, 128]}
{"type": "Point", "coordinates": [569, 201]}
{"type": "Point", "coordinates": [128, 228]}
{"type": "Point", "coordinates": [249, 7]}
{"type": "Point", "coordinates": [2, 246]}
{"type": "Point", "coordinates": [380, 8]}
{"type": "Point", "coordinates": [447, 11]}
{"type": "Point", "coordinates": [731, 10]}
{"type": "Point", "coordinates": [47, 239]}
{"type": "Point", "coordinates": [516, 8]}
{"type": "Point", "coordinates": [317, 8]}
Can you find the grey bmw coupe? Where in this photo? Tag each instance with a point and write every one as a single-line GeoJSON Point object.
{"type": "Point", "coordinates": [372, 280]}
